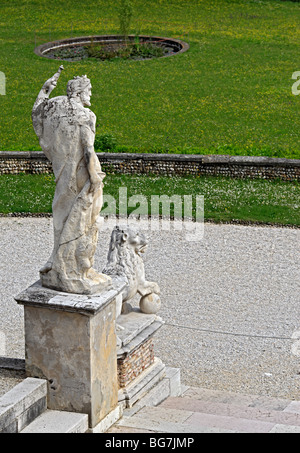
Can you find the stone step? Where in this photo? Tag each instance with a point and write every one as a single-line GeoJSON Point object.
{"type": "Point", "coordinates": [22, 404]}
{"type": "Point", "coordinates": [24, 410]}
{"type": "Point", "coordinates": [58, 422]}
{"type": "Point", "coordinates": [221, 396]}
{"type": "Point", "coordinates": [208, 411]}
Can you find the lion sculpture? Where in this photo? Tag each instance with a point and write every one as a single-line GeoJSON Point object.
{"type": "Point", "coordinates": [124, 261]}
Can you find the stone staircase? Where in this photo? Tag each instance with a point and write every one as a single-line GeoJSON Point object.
{"type": "Point", "coordinates": [201, 410]}
{"type": "Point", "coordinates": [24, 410]}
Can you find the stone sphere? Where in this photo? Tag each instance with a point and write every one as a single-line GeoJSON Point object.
{"type": "Point", "coordinates": [150, 304]}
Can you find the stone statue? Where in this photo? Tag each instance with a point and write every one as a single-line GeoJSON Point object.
{"type": "Point", "coordinates": [66, 131]}
{"type": "Point", "coordinates": [124, 261]}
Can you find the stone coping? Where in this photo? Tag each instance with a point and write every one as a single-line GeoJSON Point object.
{"type": "Point", "coordinates": [211, 159]}
{"type": "Point", "coordinates": [136, 327]}
{"type": "Point", "coordinates": [89, 305]}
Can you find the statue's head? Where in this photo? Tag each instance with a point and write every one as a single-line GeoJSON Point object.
{"type": "Point", "coordinates": [80, 88]}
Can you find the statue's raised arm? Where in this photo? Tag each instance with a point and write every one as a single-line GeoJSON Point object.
{"type": "Point", "coordinates": [47, 88]}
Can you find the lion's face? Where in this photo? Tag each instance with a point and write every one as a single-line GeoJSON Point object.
{"type": "Point", "coordinates": [129, 236]}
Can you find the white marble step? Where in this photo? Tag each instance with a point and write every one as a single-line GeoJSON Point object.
{"type": "Point", "coordinates": [58, 422]}
{"type": "Point", "coordinates": [208, 411]}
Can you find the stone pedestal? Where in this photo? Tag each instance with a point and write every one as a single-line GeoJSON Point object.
{"type": "Point", "coordinates": [70, 341]}
{"type": "Point", "coordinates": [139, 371]}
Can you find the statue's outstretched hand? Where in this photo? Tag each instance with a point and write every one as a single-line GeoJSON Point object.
{"type": "Point", "coordinates": [52, 82]}
{"type": "Point", "coordinates": [47, 88]}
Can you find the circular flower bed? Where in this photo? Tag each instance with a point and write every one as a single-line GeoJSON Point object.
{"type": "Point", "coordinates": [111, 47]}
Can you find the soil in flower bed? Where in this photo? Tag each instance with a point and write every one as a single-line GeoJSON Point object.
{"type": "Point", "coordinates": [129, 50]}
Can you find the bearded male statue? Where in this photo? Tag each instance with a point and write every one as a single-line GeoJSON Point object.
{"type": "Point", "coordinates": [66, 131]}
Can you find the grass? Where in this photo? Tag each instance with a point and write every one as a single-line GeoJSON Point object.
{"type": "Point", "coordinates": [225, 199]}
{"type": "Point", "coordinates": [229, 94]}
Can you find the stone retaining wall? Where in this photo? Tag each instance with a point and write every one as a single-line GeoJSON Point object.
{"type": "Point", "coordinates": [14, 162]}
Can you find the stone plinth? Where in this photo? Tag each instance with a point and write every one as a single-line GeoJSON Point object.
{"type": "Point", "coordinates": [138, 369]}
{"type": "Point", "coordinates": [70, 341]}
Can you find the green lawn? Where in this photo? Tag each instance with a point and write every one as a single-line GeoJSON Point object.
{"type": "Point", "coordinates": [225, 199]}
{"type": "Point", "coordinates": [229, 94]}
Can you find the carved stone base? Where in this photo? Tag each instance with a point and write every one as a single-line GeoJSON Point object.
{"type": "Point", "coordinates": [143, 384]}
{"type": "Point", "coordinates": [138, 370]}
{"type": "Point", "coordinates": [70, 341]}
{"type": "Point", "coordinates": [91, 285]}
{"type": "Point", "coordinates": [135, 363]}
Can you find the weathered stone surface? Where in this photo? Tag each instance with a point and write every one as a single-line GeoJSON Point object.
{"type": "Point", "coordinates": [22, 404]}
{"type": "Point", "coordinates": [70, 341]}
{"type": "Point", "coordinates": [38, 296]}
{"type": "Point", "coordinates": [136, 327]}
{"type": "Point", "coordinates": [66, 131]}
{"type": "Point", "coordinates": [136, 350]}
{"type": "Point", "coordinates": [107, 421]}
{"type": "Point", "coordinates": [76, 354]}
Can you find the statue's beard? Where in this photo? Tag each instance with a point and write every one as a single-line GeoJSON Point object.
{"type": "Point", "coordinates": [85, 101]}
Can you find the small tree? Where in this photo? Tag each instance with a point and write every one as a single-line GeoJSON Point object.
{"type": "Point", "coordinates": [125, 15]}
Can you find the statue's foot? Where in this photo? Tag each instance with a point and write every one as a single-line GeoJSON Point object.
{"type": "Point", "coordinates": [91, 283]}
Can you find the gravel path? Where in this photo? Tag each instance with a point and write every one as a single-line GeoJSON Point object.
{"type": "Point", "coordinates": [230, 302]}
